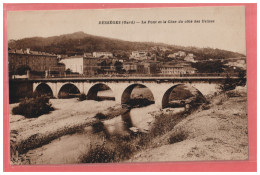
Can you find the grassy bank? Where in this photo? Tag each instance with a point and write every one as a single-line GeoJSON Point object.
{"type": "Point", "coordinates": [213, 131]}
{"type": "Point", "coordinates": [120, 148]}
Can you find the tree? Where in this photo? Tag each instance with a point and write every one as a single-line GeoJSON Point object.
{"type": "Point", "coordinates": [100, 71]}
{"type": "Point", "coordinates": [104, 65]}
{"type": "Point", "coordinates": [228, 84]}
{"type": "Point", "coordinates": [209, 66]}
{"type": "Point", "coordinates": [118, 66]}
{"type": "Point", "coordinates": [68, 71]}
{"type": "Point", "coordinates": [242, 77]}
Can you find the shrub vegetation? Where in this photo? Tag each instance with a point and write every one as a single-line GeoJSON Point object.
{"type": "Point", "coordinates": [228, 84]}
{"type": "Point", "coordinates": [100, 116]}
{"type": "Point", "coordinates": [178, 137]}
{"type": "Point", "coordinates": [82, 97]}
{"type": "Point", "coordinates": [120, 149]}
{"type": "Point", "coordinates": [33, 107]}
{"type": "Point", "coordinates": [99, 154]}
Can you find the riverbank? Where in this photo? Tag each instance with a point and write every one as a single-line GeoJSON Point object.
{"type": "Point", "coordinates": [217, 131]}
{"type": "Point", "coordinates": [70, 116]}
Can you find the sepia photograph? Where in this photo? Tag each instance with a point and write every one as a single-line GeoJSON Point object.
{"type": "Point", "coordinates": [127, 85]}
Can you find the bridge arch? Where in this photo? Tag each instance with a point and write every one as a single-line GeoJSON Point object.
{"type": "Point", "coordinates": [183, 92]}
{"type": "Point", "coordinates": [126, 95]}
{"type": "Point", "coordinates": [68, 90]}
{"type": "Point", "coordinates": [92, 93]}
{"type": "Point", "coordinates": [43, 89]}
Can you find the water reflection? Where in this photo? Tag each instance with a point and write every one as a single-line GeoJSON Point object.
{"type": "Point", "coordinates": [141, 118]}
{"type": "Point", "coordinates": [127, 120]}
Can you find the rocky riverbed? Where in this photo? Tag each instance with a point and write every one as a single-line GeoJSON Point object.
{"type": "Point", "coordinates": [217, 131]}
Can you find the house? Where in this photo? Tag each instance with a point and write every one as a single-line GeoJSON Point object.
{"type": "Point", "coordinates": [179, 54]}
{"type": "Point", "coordinates": [139, 55]}
{"type": "Point", "coordinates": [154, 48]}
{"type": "Point", "coordinates": [190, 58]}
{"type": "Point", "coordinates": [172, 55]}
{"type": "Point", "coordinates": [102, 54]}
{"type": "Point", "coordinates": [164, 49]}
{"type": "Point", "coordinates": [237, 62]}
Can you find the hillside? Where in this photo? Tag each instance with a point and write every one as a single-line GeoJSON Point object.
{"type": "Point", "coordinates": [80, 42]}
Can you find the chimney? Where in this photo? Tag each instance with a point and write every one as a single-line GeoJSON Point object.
{"type": "Point", "coordinates": [28, 50]}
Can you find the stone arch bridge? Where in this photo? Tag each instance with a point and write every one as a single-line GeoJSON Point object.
{"type": "Point", "coordinates": [122, 86]}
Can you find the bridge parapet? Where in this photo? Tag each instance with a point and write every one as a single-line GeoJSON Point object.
{"type": "Point", "coordinates": [135, 79]}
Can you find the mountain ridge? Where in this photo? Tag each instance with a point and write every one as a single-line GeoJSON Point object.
{"type": "Point", "coordinates": [80, 42]}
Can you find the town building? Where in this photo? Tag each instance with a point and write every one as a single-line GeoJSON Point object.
{"type": "Point", "coordinates": [130, 67]}
{"type": "Point", "coordinates": [190, 58]}
{"type": "Point", "coordinates": [150, 67]}
{"type": "Point", "coordinates": [179, 54]}
{"type": "Point", "coordinates": [89, 55]}
{"type": "Point", "coordinates": [144, 67]}
{"type": "Point", "coordinates": [90, 66]}
{"type": "Point", "coordinates": [102, 54]}
{"type": "Point", "coordinates": [164, 49]}
{"type": "Point", "coordinates": [73, 63]}
{"type": "Point", "coordinates": [140, 68]}
{"type": "Point", "coordinates": [139, 55]}
{"type": "Point", "coordinates": [172, 55]}
{"type": "Point", "coordinates": [236, 62]}
{"type": "Point", "coordinates": [154, 48]}
{"type": "Point", "coordinates": [35, 61]}
{"type": "Point", "coordinates": [176, 70]}
{"type": "Point", "coordinates": [110, 72]}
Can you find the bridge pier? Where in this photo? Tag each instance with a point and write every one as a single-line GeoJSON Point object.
{"type": "Point", "coordinates": [118, 90]}
{"type": "Point", "coordinates": [54, 89]}
{"type": "Point", "coordinates": [158, 92]}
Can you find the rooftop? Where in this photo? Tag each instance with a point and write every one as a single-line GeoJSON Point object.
{"type": "Point", "coordinates": [75, 56]}
{"type": "Point", "coordinates": [24, 52]}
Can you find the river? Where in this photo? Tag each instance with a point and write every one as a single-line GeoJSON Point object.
{"type": "Point", "coordinates": [68, 149]}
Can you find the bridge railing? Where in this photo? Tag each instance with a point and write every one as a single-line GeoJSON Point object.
{"type": "Point", "coordinates": [133, 75]}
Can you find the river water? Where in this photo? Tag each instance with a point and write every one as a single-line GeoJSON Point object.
{"type": "Point", "coordinates": [68, 149]}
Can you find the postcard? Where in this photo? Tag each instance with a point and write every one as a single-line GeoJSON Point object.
{"type": "Point", "coordinates": [127, 85]}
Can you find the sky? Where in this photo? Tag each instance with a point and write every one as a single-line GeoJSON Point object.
{"type": "Point", "coordinates": [226, 32]}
